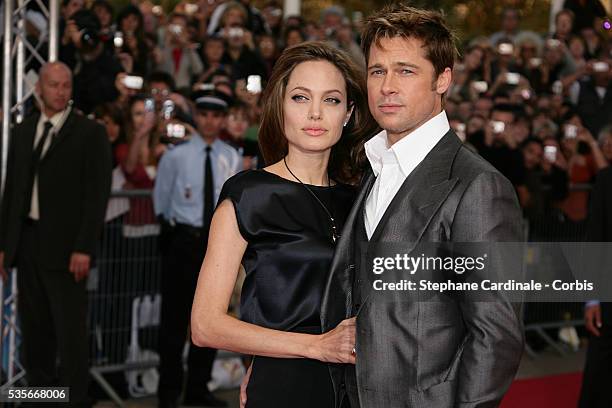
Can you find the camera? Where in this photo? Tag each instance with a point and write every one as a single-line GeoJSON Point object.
{"type": "Point", "coordinates": [133, 82]}
{"type": "Point", "coordinates": [550, 153]}
{"type": "Point", "coordinates": [175, 130]}
{"type": "Point", "coordinates": [89, 29]}
{"type": "Point", "coordinates": [498, 126]}
{"type": "Point", "coordinates": [253, 84]}
{"type": "Point", "coordinates": [118, 39]}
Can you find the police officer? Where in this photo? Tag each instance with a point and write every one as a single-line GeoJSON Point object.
{"type": "Point", "coordinates": [187, 186]}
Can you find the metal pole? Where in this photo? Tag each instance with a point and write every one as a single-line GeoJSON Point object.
{"type": "Point", "coordinates": [6, 85]}
{"type": "Point", "coordinates": [53, 30]}
{"type": "Point", "coordinates": [20, 62]}
{"type": "Point", "coordinates": [6, 117]}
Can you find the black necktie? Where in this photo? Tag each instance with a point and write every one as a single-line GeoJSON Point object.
{"type": "Point", "coordinates": [35, 162]}
{"type": "Point", "coordinates": [41, 144]}
{"type": "Point", "coordinates": [208, 191]}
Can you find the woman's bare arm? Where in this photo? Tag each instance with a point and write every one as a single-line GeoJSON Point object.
{"type": "Point", "coordinates": [211, 326]}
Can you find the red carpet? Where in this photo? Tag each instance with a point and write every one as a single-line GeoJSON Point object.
{"type": "Point", "coordinates": [555, 391]}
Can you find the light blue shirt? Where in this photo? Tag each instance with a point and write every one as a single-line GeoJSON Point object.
{"type": "Point", "coordinates": [179, 185]}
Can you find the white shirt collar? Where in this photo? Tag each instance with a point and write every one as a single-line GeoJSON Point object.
{"type": "Point", "coordinates": [56, 120]}
{"type": "Point", "coordinates": [409, 151]}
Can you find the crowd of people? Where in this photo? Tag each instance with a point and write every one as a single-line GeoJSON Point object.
{"type": "Point", "coordinates": [535, 105]}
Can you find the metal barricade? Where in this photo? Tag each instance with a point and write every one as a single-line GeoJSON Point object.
{"type": "Point", "coordinates": [124, 299]}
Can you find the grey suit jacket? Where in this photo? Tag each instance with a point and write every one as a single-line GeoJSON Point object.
{"type": "Point", "coordinates": [463, 353]}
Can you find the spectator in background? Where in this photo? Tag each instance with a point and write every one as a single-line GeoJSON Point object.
{"type": "Point", "coordinates": [546, 180]}
{"type": "Point", "coordinates": [112, 118]}
{"type": "Point", "coordinates": [67, 10]}
{"type": "Point", "coordinates": [577, 50]}
{"type": "Point", "coordinates": [564, 21]}
{"type": "Point", "coordinates": [595, 392]}
{"type": "Point", "coordinates": [530, 64]}
{"type": "Point", "coordinates": [331, 20]}
{"type": "Point", "coordinates": [273, 15]}
{"type": "Point", "coordinates": [500, 147]}
{"type": "Point", "coordinates": [557, 63]}
{"type": "Point", "coordinates": [345, 39]}
{"type": "Point", "coordinates": [213, 56]}
{"type": "Point", "coordinates": [185, 200]}
{"type": "Point", "coordinates": [586, 12]}
{"type": "Point", "coordinates": [585, 159]}
{"type": "Point", "coordinates": [130, 24]}
{"type": "Point", "coordinates": [504, 61]}
{"type": "Point", "coordinates": [240, 50]}
{"type": "Point", "coordinates": [510, 20]}
{"type": "Point", "coordinates": [293, 36]}
{"type": "Point", "coordinates": [94, 67]}
{"type": "Point", "coordinates": [605, 142]}
{"type": "Point", "coordinates": [138, 160]}
{"type": "Point", "coordinates": [105, 12]}
{"type": "Point", "coordinates": [160, 87]}
{"type": "Point", "coordinates": [592, 95]}
{"type": "Point", "coordinates": [594, 42]}
{"type": "Point", "coordinates": [179, 57]}
{"type": "Point", "coordinates": [268, 49]}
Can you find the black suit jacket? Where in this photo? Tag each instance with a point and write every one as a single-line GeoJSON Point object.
{"type": "Point", "coordinates": [461, 353]}
{"type": "Point", "coordinates": [599, 224]}
{"type": "Point", "coordinates": [73, 187]}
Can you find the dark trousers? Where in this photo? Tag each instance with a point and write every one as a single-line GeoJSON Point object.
{"type": "Point", "coordinates": [183, 250]}
{"type": "Point", "coordinates": [597, 377]}
{"type": "Point", "coordinates": [52, 314]}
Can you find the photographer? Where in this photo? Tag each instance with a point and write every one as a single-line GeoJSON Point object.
{"type": "Point", "coordinates": [94, 67]}
{"type": "Point", "coordinates": [179, 57]}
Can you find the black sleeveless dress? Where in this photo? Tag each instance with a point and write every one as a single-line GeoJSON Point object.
{"type": "Point", "coordinates": [287, 261]}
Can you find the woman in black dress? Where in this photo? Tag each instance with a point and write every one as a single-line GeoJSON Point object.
{"type": "Point", "coordinates": [281, 223]}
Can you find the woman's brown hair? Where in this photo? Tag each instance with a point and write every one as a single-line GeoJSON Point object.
{"type": "Point", "coordinates": [344, 165]}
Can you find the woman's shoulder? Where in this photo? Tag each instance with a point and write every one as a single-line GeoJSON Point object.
{"type": "Point", "coordinates": [246, 181]}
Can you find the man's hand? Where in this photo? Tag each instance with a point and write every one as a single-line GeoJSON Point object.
{"type": "Point", "coordinates": [243, 386]}
{"type": "Point", "coordinates": [3, 272]}
{"type": "Point", "coordinates": [592, 319]}
{"type": "Point", "coordinates": [79, 265]}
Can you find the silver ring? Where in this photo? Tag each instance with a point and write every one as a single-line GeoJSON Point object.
{"type": "Point", "coordinates": [353, 351]}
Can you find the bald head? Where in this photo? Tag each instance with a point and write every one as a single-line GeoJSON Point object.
{"type": "Point", "coordinates": [54, 87]}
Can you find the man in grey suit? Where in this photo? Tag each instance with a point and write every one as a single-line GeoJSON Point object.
{"type": "Point", "coordinates": [422, 186]}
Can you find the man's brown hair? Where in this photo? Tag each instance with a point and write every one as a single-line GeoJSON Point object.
{"type": "Point", "coordinates": [400, 20]}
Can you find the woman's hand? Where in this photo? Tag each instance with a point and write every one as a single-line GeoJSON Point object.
{"type": "Point", "coordinates": [337, 345]}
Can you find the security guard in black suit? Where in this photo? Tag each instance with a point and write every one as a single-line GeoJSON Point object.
{"type": "Point", "coordinates": [52, 212]}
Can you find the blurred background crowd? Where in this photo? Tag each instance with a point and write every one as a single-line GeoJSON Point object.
{"type": "Point", "coordinates": [535, 104]}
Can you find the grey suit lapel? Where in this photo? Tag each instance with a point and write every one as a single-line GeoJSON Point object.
{"type": "Point", "coordinates": [420, 196]}
{"type": "Point", "coordinates": [339, 281]}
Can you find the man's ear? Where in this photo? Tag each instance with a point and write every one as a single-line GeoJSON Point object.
{"type": "Point", "coordinates": [443, 82]}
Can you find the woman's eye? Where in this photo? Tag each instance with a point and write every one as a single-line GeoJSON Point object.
{"type": "Point", "coordinates": [298, 98]}
{"type": "Point", "coordinates": [335, 101]}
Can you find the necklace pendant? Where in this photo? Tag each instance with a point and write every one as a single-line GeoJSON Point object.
{"type": "Point", "coordinates": [335, 235]}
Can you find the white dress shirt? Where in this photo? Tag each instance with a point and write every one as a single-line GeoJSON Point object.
{"type": "Point", "coordinates": [57, 121]}
{"type": "Point", "coordinates": [391, 165]}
